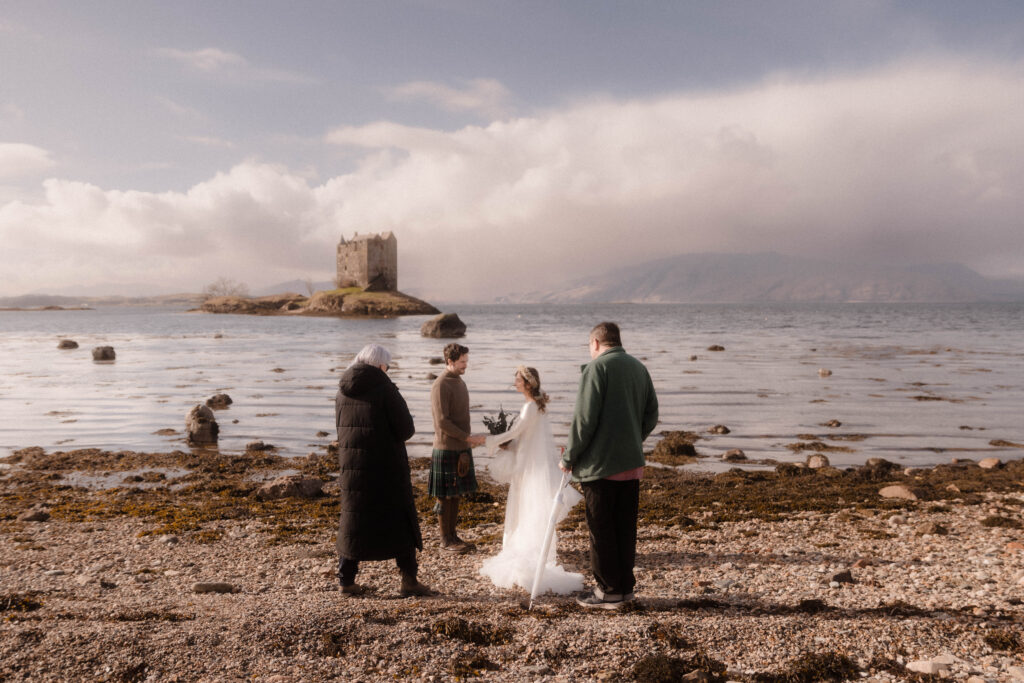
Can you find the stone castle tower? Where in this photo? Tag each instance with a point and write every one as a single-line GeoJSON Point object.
{"type": "Point", "coordinates": [369, 261]}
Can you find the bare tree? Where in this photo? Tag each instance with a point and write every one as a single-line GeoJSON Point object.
{"type": "Point", "coordinates": [310, 288]}
{"type": "Point", "coordinates": [225, 287]}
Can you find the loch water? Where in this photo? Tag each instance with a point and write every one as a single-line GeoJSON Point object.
{"type": "Point", "coordinates": [917, 384]}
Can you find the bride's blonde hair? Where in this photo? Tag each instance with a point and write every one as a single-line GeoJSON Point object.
{"type": "Point", "coordinates": [531, 378]}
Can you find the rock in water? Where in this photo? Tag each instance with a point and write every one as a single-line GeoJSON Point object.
{"type": "Point", "coordinates": [67, 344]}
{"type": "Point", "coordinates": [444, 326]}
{"type": "Point", "coordinates": [201, 426]}
{"type": "Point", "coordinates": [103, 353]}
{"type": "Point", "coordinates": [218, 401]}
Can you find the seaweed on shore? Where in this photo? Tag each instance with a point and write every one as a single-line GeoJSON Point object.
{"type": "Point", "coordinates": [812, 666]}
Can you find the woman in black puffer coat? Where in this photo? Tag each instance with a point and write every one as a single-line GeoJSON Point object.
{"type": "Point", "coordinates": [378, 512]}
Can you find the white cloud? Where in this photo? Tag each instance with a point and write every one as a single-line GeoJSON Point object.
{"type": "Point", "coordinates": [911, 163]}
{"type": "Point", "coordinates": [207, 141]}
{"type": "Point", "coordinates": [485, 96]}
{"type": "Point", "coordinates": [18, 160]}
{"type": "Point", "coordinates": [216, 62]}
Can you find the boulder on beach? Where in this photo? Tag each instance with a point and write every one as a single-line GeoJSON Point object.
{"type": "Point", "coordinates": [444, 326]}
{"type": "Point", "coordinates": [990, 463]}
{"type": "Point", "coordinates": [676, 444]}
{"type": "Point", "coordinates": [900, 492]}
{"type": "Point", "coordinates": [719, 429]}
{"type": "Point", "coordinates": [716, 347]}
{"type": "Point", "coordinates": [67, 344]}
{"type": "Point", "coordinates": [817, 460]}
{"type": "Point", "coordinates": [201, 426]}
{"type": "Point", "coordinates": [103, 353]}
{"type": "Point", "coordinates": [291, 486]}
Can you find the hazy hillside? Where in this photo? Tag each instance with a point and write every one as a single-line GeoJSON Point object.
{"type": "Point", "coordinates": [770, 277]}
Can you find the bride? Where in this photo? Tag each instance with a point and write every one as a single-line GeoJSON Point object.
{"type": "Point", "coordinates": [529, 463]}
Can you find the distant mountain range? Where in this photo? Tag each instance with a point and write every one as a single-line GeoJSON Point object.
{"type": "Point", "coordinates": [772, 277]}
{"type": "Point", "coordinates": [41, 300]}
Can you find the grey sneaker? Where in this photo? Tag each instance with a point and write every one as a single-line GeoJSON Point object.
{"type": "Point", "coordinates": [598, 600]}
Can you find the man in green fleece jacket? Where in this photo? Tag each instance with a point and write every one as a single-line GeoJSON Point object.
{"type": "Point", "coordinates": [616, 409]}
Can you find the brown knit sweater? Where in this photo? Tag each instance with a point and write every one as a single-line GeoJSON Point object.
{"type": "Point", "coordinates": [449, 402]}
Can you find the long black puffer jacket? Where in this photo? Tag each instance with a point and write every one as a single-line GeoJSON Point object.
{"type": "Point", "coordinates": [378, 512]}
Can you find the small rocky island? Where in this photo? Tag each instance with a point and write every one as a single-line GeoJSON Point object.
{"type": "Point", "coordinates": [351, 301]}
{"type": "Point", "coordinates": [367, 283]}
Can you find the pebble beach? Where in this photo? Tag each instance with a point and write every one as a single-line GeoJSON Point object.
{"type": "Point", "coordinates": [748, 576]}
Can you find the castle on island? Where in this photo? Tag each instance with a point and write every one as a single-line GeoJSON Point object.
{"type": "Point", "coordinates": [368, 261]}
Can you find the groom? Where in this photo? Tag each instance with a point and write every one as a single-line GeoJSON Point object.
{"type": "Point", "coordinates": [451, 462]}
{"type": "Point", "coordinates": [616, 409]}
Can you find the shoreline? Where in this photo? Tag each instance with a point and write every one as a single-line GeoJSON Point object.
{"type": "Point", "coordinates": [748, 575]}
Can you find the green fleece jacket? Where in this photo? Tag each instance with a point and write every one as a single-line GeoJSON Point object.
{"type": "Point", "coordinates": [616, 409]}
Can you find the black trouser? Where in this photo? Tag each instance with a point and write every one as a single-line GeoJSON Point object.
{"type": "Point", "coordinates": [347, 569]}
{"type": "Point", "coordinates": [612, 508]}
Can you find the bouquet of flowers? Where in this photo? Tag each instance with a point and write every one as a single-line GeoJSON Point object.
{"type": "Point", "coordinates": [500, 423]}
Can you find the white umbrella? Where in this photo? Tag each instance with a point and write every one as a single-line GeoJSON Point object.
{"type": "Point", "coordinates": [556, 506]}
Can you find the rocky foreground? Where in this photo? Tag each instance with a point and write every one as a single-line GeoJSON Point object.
{"type": "Point", "coordinates": [189, 566]}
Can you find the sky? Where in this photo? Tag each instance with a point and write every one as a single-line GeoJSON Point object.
{"type": "Point", "coordinates": [153, 147]}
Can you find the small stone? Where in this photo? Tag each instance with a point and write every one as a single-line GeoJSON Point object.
{"type": "Point", "coordinates": [693, 358]}
{"type": "Point", "coordinates": [1014, 546]}
{"type": "Point", "coordinates": [923, 666]}
{"type": "Point", "coordinates": [833, 424]}
{"type": "Point", "coordinates": [824, 372]}
{"type": "Point", "coordinates": [844, 576]}
{"type": "Point", "coordinates": [172, 573]}
{"type": "Point", "coordinates": [212, 587]}
{"type": "Point", "coordinates": [898, 491]}
{"type": "Point", "coordinates": [719, 429]}
{"type": "Point", "coordinates": [256, 446]}
{"type": "Point", "coordinates": [734, 455]}
{"type": "Point", "coordinates": [990, 463]}
{"type": "Point", "coordinates": [35, 514]}
{"type": "Point", "coordinates": [169, 539]}
{"type": "Point", "coordinates": [716, 347]}
{"type": "Point", "coordinates": [67, 344]}
{"type": "Point", "coordinates": [83, 579]}
{"type": "Point", "coordinates": [931, 528]}
{"type": "Point", "coordinates": [862, 562]}
{"type": "Point", "coordinates": [54, 572]}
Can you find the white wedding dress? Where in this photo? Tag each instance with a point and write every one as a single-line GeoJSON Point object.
{"type": "Point", "coordinates": [530, 467]}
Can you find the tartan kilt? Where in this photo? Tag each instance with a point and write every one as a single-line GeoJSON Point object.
{"type": "Point", "coordinates": [445, 481]}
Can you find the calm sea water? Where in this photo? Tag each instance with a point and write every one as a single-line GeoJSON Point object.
{"type": "Point", "coordinates": [920, 383]}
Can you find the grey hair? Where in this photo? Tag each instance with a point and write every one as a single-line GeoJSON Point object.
{"type": "Point", "coordinates": [373, 354]}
